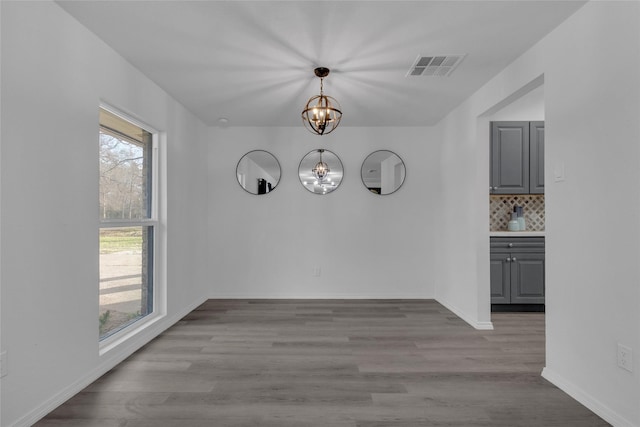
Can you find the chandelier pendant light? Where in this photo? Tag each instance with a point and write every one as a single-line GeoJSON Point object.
{"type": "Point", "coordinates": [322, 113]}
{"type": "Point", "coordinates": [321, 169]}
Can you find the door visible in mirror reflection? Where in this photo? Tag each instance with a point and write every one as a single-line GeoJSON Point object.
{"type": "Point", "coordinates": [258, 172]}
{"type": "Point", "coordinates": [383, 172]}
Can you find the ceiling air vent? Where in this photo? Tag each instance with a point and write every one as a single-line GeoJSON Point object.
{"type": "Point", "coordinates": [435, 65]}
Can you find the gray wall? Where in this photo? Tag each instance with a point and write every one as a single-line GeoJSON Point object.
{"type": "Point", "coordinates": [54, 75]}
{"type": "Point", "coordinates": [591, 127]}
{"type": "Point", "coordinates": [366, 246]}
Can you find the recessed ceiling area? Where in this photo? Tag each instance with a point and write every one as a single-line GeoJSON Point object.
{"type": "Point", "coordinates": [252, 62]}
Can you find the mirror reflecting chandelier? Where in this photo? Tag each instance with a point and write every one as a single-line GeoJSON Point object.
{"type": "Point", "coordinates": [322, 113]}
{"type": "Point", "coordinates": [321, 169]}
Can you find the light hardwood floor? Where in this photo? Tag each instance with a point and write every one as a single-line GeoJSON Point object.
{"type": "Point", "coordinates": [342, 363]}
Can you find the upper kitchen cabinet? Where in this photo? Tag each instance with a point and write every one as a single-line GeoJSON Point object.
{"type": "Point", "coordinates": [517, 158]}
{"type": "Point", "coordinates": [509, 157]}
{"type": "Point", "coordinates": [536, 157]}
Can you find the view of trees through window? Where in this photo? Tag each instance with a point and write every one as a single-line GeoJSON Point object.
{"type": "Point", "coordinates": [126, 223]}
{"type": "Point", "coordinates": [123, 180]}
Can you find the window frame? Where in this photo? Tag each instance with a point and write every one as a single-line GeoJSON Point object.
{"type": "Point", "coordinates": [112, 340]}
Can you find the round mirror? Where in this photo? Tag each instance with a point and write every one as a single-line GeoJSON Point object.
{"type": "Point", "coordinates": [320, 171]}
{"type": "Point", "coordinates": [383, 172]}
{"type": "Point", "coordinates": [258, 172]}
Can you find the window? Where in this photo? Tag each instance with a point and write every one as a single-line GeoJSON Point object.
{"type": "Point", "coordinates": [128, 222]}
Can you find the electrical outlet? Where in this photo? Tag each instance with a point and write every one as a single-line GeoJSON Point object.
{"type": "Point", "coordinates": [316, 271]}
{"type": "Point", "coordinates": [3, 364]}
{"type": "Point", "coordinates": [625, 357]}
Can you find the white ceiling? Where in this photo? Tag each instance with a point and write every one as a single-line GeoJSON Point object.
{"type": "Point", "coordinates": [252, 61]}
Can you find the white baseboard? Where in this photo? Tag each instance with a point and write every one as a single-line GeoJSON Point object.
{"type": "Point", "coordinates": [593, 404]}
{"type": "Point", "coordinates": [115, 356]}
{"type": "Point", "coordinates": [486, 326]}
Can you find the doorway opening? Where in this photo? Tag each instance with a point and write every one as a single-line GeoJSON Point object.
{"type": "Point", "coordinates": [513, 133]}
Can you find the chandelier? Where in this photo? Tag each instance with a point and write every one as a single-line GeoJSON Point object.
{"type": "Point", "coordinates": [322, 113]}
{"type": "Point", "coordinates": [321, 169]}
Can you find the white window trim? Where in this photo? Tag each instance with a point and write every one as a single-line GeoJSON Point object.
{"type": "Point", "coordinates": [158, 184]}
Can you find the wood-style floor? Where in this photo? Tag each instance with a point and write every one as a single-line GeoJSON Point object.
{"type": "Point", "coordinates": [336, 363]}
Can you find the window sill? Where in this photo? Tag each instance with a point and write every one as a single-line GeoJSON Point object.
{"type": "Point", "coordinates": [120, 337]}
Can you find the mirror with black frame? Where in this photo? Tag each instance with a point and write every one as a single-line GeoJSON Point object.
{"type": "Point", "coordinates": [383, 172]}
{"type": "Point", "coordinates": [258, 172]}
{"type": "Point", "coordinates": [320, 171]}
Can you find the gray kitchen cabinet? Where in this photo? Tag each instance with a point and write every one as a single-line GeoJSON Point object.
{"type": "Point", "coordinates": [536, 157]}
{"type": "Point", "coordinates": [509, 157]}
{"type": "Point", "coordinates": [527, 278]}
{"type": "Point", "coordinates": [517, 270]}
{"type": "Point", "coordinates": [500, 279]}
{"type": "Point", "coordinates": [517, 158]}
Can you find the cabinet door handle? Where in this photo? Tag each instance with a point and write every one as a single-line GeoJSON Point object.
{"type": "Point", "coordinates": [514, 259]}
{"type": "Point", "coordinates": [508, 259]}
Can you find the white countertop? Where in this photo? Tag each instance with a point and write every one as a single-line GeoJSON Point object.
{"type": "Point", "coordinates": [516, 234]}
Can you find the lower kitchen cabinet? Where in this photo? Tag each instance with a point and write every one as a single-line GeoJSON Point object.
{"type": "Point", "coordinates": [500, 279]}
{"type": "Point", "coordinates": [517, 273]}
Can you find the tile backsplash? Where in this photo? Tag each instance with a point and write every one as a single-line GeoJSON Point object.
{"type": "Point", "coordinates": [501, 206]}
